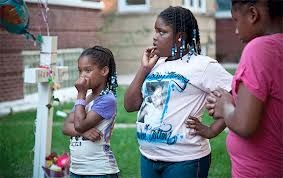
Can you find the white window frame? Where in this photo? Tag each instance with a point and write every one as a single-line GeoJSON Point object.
{"type": "Point", "coordinates": [124, 7]}
{"type": "Point", "coordinates": [223, 15]}
{"type": "Point", "coordinates": [72, 3]}
{"type": "Point", "coordinates": [195, 7]}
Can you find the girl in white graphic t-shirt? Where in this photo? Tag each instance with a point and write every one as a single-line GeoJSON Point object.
{"type": "Point", "coordinates": [91, 122]}
{"type": "Point", "coordinates": [174, 64]}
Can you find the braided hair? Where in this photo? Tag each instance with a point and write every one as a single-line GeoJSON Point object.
{"type": "Point", "coordinates": [104, 57]}
{"type": "Point", "coordinates": [183, 20]}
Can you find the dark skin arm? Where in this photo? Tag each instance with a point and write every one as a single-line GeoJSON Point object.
{"type": "Point", "coordinates": [133, 96]}
{"type": "Point", "coordinates": [68, 129]}
{"type": "Point", "coordinates": [84, 121]}
{"type": "Point", "coordinates": [205, 131]}
{"type": "Point", "coordinates": [243, 117]}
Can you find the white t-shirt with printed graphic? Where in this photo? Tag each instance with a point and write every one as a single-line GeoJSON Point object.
{"type": "Point", "coordinates": [173, 91]}
{"type": "Point", "coordinates": [96, 158]}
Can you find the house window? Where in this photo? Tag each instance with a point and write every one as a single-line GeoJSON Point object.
{"type": "Point", "coordinates": [195, 5]}
{"type": "Point", "coordinates": [133, 5]}
{"type": "Point", "coordinates": [192, 3]}
{"type": "Point", "coordinates": [89, 4]}
{"type": "Point", "coordinates": [135, 2]}
{"type": "Point", "coordinates": [199, 4]}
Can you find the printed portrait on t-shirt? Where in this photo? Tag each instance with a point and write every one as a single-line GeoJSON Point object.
{"type": "Point", "coordinates": [152, 108]}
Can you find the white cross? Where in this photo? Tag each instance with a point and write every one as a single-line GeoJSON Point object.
{"type": "Point", "coordinates": [44, 116]}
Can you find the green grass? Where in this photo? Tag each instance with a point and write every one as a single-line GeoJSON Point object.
{"type": "Point", "coordinates": [17, 141]}
{"type": "Point", "coordinates": [231, 71]}
{"type": "Point", "coordinates": [122, 115]}
{"type": "Point", "coordinates": [125, 148]}
{"type": "Point", "coordinates": [16, 144]}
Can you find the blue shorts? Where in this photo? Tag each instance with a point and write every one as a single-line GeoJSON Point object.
{"type": "Point", "coordinates": [184, 169]}
{"type": "Point", "coordinates": [72, 175]}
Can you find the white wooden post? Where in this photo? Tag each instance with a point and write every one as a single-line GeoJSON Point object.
{"type": "Point", "coordinates": [44, 116]}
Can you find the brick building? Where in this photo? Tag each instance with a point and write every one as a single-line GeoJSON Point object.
{"type": "Point", "coordinates": [228, 45]}
{"type": "Point", "coordinates": [124, 26]}
{"type": "Point", "coordinates": [75, 22]}
{"type": "Point", "coordinates": [128, 27]}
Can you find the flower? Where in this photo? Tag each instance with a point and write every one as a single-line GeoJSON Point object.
{"type": "Point", "coordinates": [56, 165]}
{"type": "Point", "coordinates": [63, 160]}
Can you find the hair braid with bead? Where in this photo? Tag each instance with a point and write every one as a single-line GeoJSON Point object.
{"type": "Point", "coordinates": [182, 20]}
{"type": "Point", "coordinates": [104, 57]}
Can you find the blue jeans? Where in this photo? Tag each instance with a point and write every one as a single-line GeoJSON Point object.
{"type": "Point", "coordinates": [185, 169]}
{"type": "Point", "coordinates": [72, 175]}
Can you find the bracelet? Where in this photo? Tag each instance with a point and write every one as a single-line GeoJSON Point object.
{"type": "Point", "coordinates": [81, 102]}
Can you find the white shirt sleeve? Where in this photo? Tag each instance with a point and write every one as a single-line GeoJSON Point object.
{"type": "Point", "coordinates": [215, 76]}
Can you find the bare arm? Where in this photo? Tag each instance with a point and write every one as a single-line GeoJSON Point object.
{"type": "Point", "coordinates": [217, 127]}
{"type": "Point", "coordinates": [244, 117]}
{"type": "Point", "coordinates": [206, 131]}
{"type": "Point", "coordinates": [133, 97]}
{"type": "Point", "coordinates": [84, 121]}
{"type": "Point", "coordinates": [69, 129]}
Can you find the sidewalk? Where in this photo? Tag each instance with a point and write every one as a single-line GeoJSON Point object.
{"type": "Point", "coordinates": [64, 95]}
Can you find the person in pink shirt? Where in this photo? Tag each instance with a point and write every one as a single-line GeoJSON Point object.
{"type": "Point", "coordinates": [254, 111]}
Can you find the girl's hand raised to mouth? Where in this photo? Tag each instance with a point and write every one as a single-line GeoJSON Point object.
{"type": "Point", "coordinates": [149, 58]}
